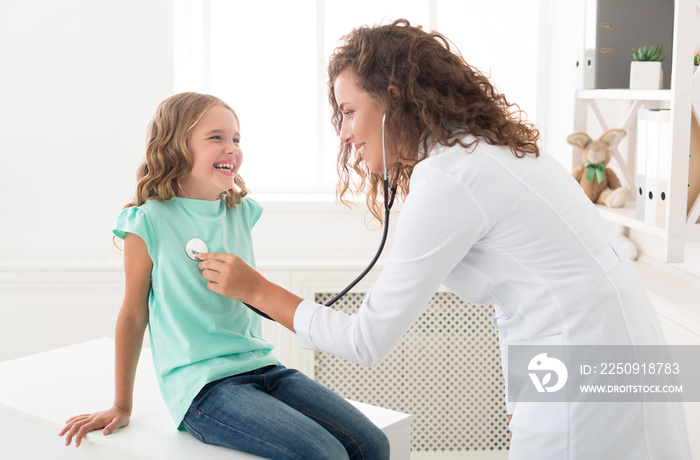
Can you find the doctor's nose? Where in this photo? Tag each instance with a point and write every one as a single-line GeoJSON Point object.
{"type": "Point", "coordinates": [345, 134]}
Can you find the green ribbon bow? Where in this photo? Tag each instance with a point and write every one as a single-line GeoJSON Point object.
{"type": "Point", "coordinates": [596, 170]}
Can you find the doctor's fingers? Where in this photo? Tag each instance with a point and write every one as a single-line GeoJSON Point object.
{"type": "Point", "coordinates": [223, 283]}
{"type": "Point", "coordinates": [228, 265]}
{"type": "Point", "coordinates": [217, 261]}
{"type": "Point", "coordinates": [214, 269]}
{"type": "Point", "coordinates": [217, 256]}
{"type": "Point", "coordinates": [221, 277]}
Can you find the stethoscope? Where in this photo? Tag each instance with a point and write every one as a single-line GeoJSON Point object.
{"type": "Point", "coordinates": [197, 245]}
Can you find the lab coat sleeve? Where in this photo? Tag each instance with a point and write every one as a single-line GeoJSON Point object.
{"type": "Point", "coordinates": [440, 221]}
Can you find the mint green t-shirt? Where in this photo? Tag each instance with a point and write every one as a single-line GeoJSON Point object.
{"type": "Point", "coordinates": [197, 336]}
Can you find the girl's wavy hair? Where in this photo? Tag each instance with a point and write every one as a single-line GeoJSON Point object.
{"type": "Point", "coordinates": [168, 159]}
{"type": "Point", "coordinates": [440, 99]}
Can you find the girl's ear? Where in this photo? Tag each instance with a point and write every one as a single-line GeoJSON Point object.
{"type": "Point", "coordinates": [394, 91]}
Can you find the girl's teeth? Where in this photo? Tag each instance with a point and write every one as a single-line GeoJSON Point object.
{"type": "Point", "coordinates": [362, 149]}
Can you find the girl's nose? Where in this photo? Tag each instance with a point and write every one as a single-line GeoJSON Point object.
{"type": "Point", "coordinates": [232, 147]}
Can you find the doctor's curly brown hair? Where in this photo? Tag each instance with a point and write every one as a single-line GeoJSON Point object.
{"type": "Point", "coordinates": [441, 98]}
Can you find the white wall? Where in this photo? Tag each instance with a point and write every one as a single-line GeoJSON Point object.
{"type": "Point", "coordinates": [78, 82]}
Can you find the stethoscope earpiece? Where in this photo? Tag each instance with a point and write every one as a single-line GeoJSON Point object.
{"type": "Point", "coordinates": [195, 246]}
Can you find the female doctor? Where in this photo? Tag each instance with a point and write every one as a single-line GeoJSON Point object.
{"type": "Point", "coordinates": [489, 217]}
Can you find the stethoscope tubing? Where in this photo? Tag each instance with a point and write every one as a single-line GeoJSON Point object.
{"type": "Point", "coordinates": [387, 211]}
{"type": "Point", "coordinates": [385, 233]}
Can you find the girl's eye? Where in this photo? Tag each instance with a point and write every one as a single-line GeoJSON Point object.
{"type": "Point", "coordinates": [218, 138]}
{"type": "Point", "coordinates": [236, 140]}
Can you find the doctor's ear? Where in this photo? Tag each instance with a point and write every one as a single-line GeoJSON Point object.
{"type": "Point", "coordinates": [394, 91]}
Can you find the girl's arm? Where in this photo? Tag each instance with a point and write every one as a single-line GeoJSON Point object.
{"type": "Point", "coordinates": [131, 325]}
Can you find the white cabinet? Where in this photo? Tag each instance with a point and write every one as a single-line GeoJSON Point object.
{"type": "Point", "coordinates": [683, 99]}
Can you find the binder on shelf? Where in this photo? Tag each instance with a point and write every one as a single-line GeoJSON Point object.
{"type": "Point", "coordinates": [664, 166]}
{"type": "Point", "coordinates": [652, 161]}
{"type": "Point", "coordinates": [585, 43]}
{"type": "Point", "coordinates": [585, 76]}
{"type": "Point", "coordinates": [641, 164]}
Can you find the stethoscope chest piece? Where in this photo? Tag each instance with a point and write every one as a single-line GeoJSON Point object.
{"type": "Point", "coordinates": [195, 246]}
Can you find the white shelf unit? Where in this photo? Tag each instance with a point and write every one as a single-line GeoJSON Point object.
{"type": "Point", "coordinates": [683, 100]}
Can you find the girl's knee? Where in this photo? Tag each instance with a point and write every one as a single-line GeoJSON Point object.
{"type": "Point", "coordinates": [381, 447]}
{"type": "Point", "coordinates": [374, 445]}
{"type": "Point", "coordinates": [330, 450]}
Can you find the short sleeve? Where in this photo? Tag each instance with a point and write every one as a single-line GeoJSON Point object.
{"type": "Point", "coordinates": [132, 220]}
{"type": "Point", "coordinates": [253, 210]}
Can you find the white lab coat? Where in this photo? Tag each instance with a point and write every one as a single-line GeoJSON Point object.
{"type": "Point", "coordinates": [518, 233]}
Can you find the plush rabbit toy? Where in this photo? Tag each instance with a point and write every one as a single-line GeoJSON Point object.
{"type": "Point", "coordinates": [599, 183]}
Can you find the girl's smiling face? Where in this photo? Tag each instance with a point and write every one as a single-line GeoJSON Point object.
{"type": "Point", "coordinates": [216, 155]}
{"type": "Point", "coordinates": [362, 120]}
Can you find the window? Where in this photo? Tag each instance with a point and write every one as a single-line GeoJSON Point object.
{"type": "Point", "coordinates": [267, 59]}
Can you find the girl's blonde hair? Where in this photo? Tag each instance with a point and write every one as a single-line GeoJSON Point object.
{"type": "Point", "coordinates": [168, 159]}
{"type": "Point", "coordinates": [441, 98]}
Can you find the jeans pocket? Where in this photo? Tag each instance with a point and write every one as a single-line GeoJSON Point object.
{"type": "Point", "coordinates": [191, 430]}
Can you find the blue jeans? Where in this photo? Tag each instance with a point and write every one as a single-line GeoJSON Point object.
{"type": "Point", "coordinates": [277, 412]}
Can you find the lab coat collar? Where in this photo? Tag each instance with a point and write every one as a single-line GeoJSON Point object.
{"type": "Point", "coordinates": [434, 149]}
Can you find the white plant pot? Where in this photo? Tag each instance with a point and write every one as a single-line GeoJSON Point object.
{"type": "Point", "coordinates": [646, 75]}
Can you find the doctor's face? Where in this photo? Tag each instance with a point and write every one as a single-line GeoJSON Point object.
{"type": "Point", "coordinates": [362, 121]}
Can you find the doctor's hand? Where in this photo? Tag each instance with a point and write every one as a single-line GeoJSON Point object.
{"type": "Point", "coordinates": [231, 276]}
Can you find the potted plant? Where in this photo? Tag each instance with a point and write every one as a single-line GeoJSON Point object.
{"type": "Point", "coordinates": [645, 69]}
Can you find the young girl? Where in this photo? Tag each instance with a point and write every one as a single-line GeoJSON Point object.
{"type": "Point", "coordinates": [217, 374]}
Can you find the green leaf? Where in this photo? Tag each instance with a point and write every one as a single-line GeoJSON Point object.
{"type": "Point", "coordinates": [649, 53]}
